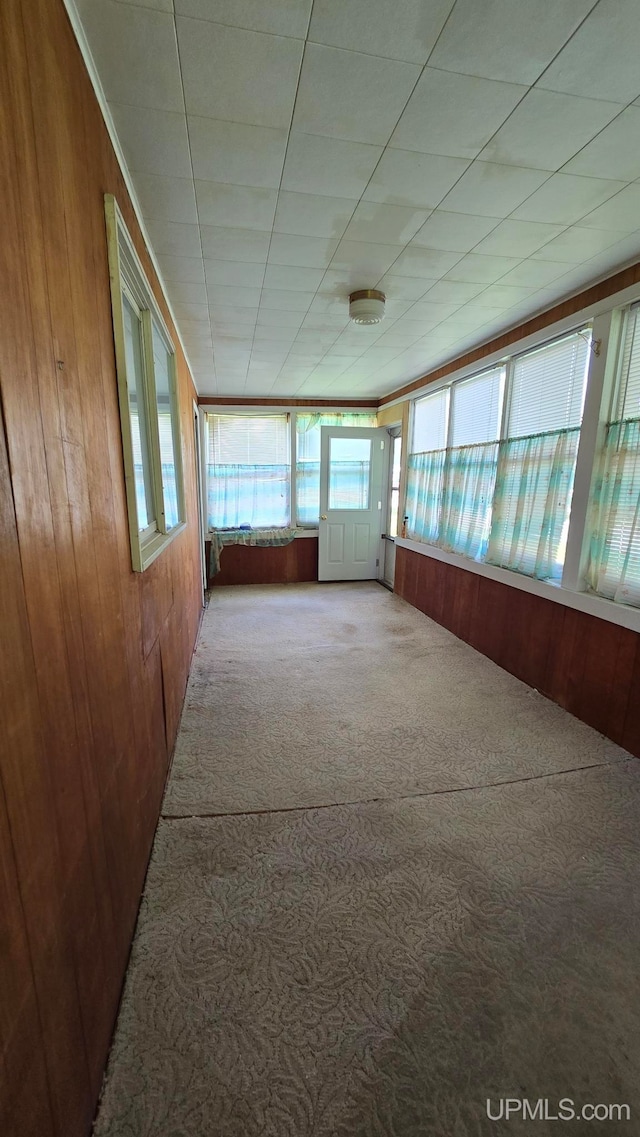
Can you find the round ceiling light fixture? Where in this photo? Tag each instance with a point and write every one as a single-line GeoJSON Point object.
{"type": "Point", "coordinates": [366, 306]}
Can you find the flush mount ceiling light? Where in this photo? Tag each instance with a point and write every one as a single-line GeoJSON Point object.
{"type": "Point", "coordinates": [366, 306]}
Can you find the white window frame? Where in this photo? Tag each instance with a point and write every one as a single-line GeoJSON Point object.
{"type": "Point", "coordinates": [128, 278]}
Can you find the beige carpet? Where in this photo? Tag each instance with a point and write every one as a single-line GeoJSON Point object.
{"type": "Point", "coordinates": [467, 928]}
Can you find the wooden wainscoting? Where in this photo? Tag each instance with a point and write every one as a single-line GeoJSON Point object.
{"type": "Point", "coordinates": [279, 564]}
{"type": "Point", "coordinates": [587, 665]}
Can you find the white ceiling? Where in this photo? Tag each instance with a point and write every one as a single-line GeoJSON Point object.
{"type": "Point", "coordinates": [476, 159]}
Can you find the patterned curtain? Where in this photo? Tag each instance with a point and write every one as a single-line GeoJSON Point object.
{"type": "Point", "coordinates": [614, 561]}
{"type": "Point", "coordinates": [255, 495]}
{"type": "Point", "coordinates": [470, 478]}
{"type": "Point", "coordinates": [532, 503]}
{"type": "Point", "coordinates": [425, 479]}
{"type": "Point", "coordinates": [308, 458]}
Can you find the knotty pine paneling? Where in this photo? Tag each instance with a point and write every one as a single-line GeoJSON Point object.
{"type": "Point", "coordinates": [589, 666]}
{"type": "Point", "coordinates": [94, 657]}
{"type": "Point", "coordinates": [277, 564]}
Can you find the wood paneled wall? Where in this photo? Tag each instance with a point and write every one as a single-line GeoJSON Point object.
{"type": "Point", "coordinates": [277, 564]}
{"type": "Point", "coordinates": [93, 658]}
{"type": "Point", "coordinates": [589, 666]}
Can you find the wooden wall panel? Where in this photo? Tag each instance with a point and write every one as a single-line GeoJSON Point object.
{"type": "Point", "coordinates": [94, 657]}
{"type": "Point", "coordinates": [589, 666]}
{"type": "Point", "coordinates": [283, 564]}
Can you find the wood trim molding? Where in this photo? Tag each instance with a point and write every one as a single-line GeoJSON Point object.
{"type": "Point", "coordinates": [231, 401]}
{"type": "Point", "coordinates": [592, 295]}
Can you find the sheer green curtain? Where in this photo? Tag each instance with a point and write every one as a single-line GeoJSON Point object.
{"type": "Point", "coordinates": [425, 481]}
{"type": "Point", "coordinates": [614, 563]}
{"type": "Point", "coordinates": [532, 499]}
{"type": "Point", "coordinates": [468, 496]}
{"type": "Point", "coordinates": [308, 458]}
{"type": "Point", "coordinates": [248, 471]}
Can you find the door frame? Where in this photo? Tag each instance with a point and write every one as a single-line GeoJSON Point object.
{"type": "Point", "coordinates": [197, 422]}
{"type": "Point", "coordinates": [355, 432]}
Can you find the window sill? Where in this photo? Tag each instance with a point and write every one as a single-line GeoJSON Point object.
{"type": "Point", "coordinates": [156, 544]}
{"type": "Point", "coordinates": [581, 601]}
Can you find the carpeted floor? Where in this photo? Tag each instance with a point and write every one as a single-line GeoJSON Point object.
{"type": "Point", "coordinates": [390, 882]}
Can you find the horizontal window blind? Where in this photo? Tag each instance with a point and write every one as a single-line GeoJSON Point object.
{"type": "Point", "coordinates": [476, 409]}
{"type": "Point", "coordinates": [430, 422]}
{"type": "Point", "coordinates": [628, 401]}
{"type": "Point", "coordinates": [548, 385]}
{"type": "Point", "coordinates": [257, 440]}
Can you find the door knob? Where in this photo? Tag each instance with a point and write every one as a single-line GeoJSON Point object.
{"type": "Point", "coordinates": [323, 517]}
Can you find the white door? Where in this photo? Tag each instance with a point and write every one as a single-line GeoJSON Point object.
{"type": "Point", "coordinates": [353, 474]}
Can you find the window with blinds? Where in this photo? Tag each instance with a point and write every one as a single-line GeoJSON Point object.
{"type": "Point", "coordinates": [425, 467]}
{"type": "Point", "coordinates": [248, 471]}
{"type": "Point", "coordinates": [536, 463]}
{"type": "Point", "coordinates": [614, 561]}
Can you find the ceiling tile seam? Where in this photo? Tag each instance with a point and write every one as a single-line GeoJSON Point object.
{"type": "Point", "coordinates": [103, 104]}
{"type": "Point", "coordinates": [284, 159]}
{"type": "Point", "coordinates": [237, 27]}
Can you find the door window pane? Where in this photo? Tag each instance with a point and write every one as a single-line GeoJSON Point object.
{"type": "Point", "coordinates": [137, 415]}
{"type": "Point", "coordinates": [162, 362]}
{"type": "Point", "coordinates": [349, 469]}
{"type": "Point", "coordinates": [396, 467]}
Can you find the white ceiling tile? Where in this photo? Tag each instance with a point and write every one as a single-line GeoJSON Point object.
{"type": "Point", "coordinates": [499, 39]}
{"type": "Point", "coordinates": [614, 153]}
{"type": "Point", "coordinates": [577, 244]}
{"type": "Point", "coordinates": [182, 268]}
{"type": "Point", "coordinates": [235, 152]}
{"type": "Point", "coordinates": [517, 238]}
{"type": "Point", "coordinates": [453, 291]}
{"type": "Point", "coordinates": [624, 251]}
{"type": "Point", "coordinates": [430, 312]}
{"type": "Point", "coordinates": [425, 263]}
{"type": "Point", "coordinates": [198, 313]}
{"type": "Point", "coordinates": [384, 224]}
{"type": "Point", "coordinates": [458, 232]}
{"type": "Point", "coordinates": [219, 243]}
{"type": "Point", "coordinates": [547, 129]}
{"type": "Point", "coordinates": [481, 270]}
{"type": "Point", "coordinates": [226, 294]}
{"type": "Point", "coordinates": [279, 17]}
{"type": "Point", "coordinates": [404, 287]}
{"type": "Point", "coordinates": [404, 177]}
{"type": "Point", "coordinates": [188, 292]}
{"type": "Point", "coordinates": [174, 239]}
{"type": "Point", "coordinates": [275, 318]}
{"type": "Point", "coordinates": [454, 114]}
{"type": "Point", "coordinates": [230, 315]}
{"type": "Point", "coordinates": [241, 274]}
{"type": "Point", "coordinates": [329, 166]}
{"type": "Point", "coordinates": [620, 212]}
{"type": "Point", "coordinates": [292, 278]}
{"type": "Point", "coordinates": [239, 207]}
{"type": "Point", "coordinates": [277, 335]}
{"type": "Point", "coordinates": [160, 5]}
{"type": "Point", "coordinates": [153, 141]}
{"type": "Point", "coordinates": [534, 273]}
{"type": "Point", "coordinates": [166, 199]}
{"type": "Point", "coordinates": [312, 215]}
{"type": "Point", "coordinates": [303, 252]}
{"type": "Point", "coordinates": [238, 75]}
{"type": "Point", "coordinates": [491, 190]}
{"type": "Point", "coordinates": [135, 52]}
{"type": "Point", "coordinates": [363, 263]}
{"type": "Point", "coordinates": [373, 26]}
{"type": "Point", "coordinates": [565, 198]}
{"type": "Point", "coordinates": [601, 61]}
{"type": "Point", "coordinates": [276, 299]}
{"type": "Point", "coordinates": [503, 295]}
{"type": "Point", "coordinates": [352, 96]}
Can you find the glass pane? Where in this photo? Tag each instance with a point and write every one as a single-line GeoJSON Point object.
{"type": "Point", "coordinates": [397, 463]}
{"type": "Point", "coordinates": [349, 466]}
{"type": "Point", "coordinates": [162, 363]}
{"type": "Point", "coordinates": [137, 413]}
{"type": "Point", "coordinates": [393, 521]}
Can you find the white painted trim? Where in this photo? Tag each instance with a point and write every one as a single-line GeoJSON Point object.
{"type": "Point", "coordinates": [89, 62]}
{"type": "Point", "coordinates": [581, 601]}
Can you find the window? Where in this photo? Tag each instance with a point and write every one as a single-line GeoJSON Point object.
{"type": "Point", "coordinates": [396, 473]}
{"type": "Point", "coordinates": [536, 466]}
{"type": "Point", "coordinates": [149, 415]}
{"type": "Point", "coordinates": [349, 473]}
{"type": "Point", "coordinates": [614, 561]}
{"type": "Point", "coordinates": [497, 486]}
{"type": "Point", "coordinates": [308, 428]}
{"type": "Point", "coordinates": [248, 471]}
